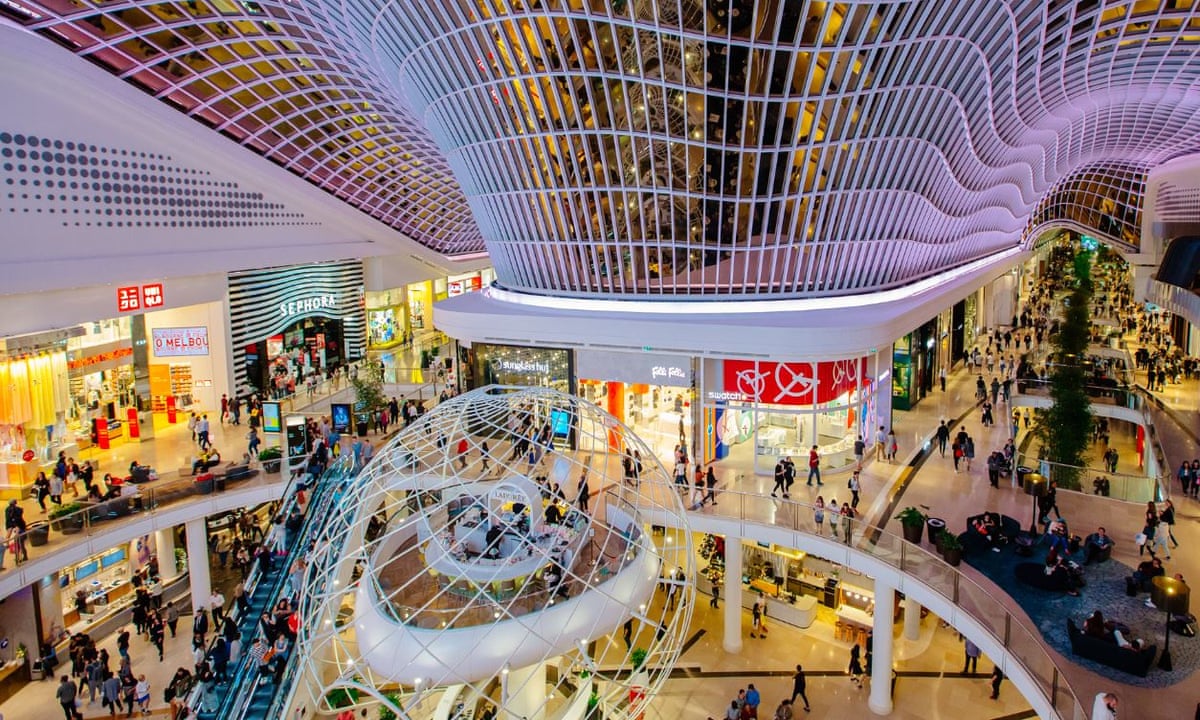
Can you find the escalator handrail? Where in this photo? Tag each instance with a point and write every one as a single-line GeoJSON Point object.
{"type": "Point", "coordinates": [233, 704]}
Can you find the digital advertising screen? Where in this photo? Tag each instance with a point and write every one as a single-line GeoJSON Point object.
{"type": "Point", "coordinates": [341, 417]}
{"type": "Point", "coordinates": [270, 418]}
{"type": "Point", "coordinates": [560, 422]}
{"type": "Point", "coordinates": [297, 436]}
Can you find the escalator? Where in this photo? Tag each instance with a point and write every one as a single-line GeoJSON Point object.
{"type": "Point", "coordinates": [249, 695]}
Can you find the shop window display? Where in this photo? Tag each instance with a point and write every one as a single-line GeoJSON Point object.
{"type": "Point", "coordinates": [660, 415]}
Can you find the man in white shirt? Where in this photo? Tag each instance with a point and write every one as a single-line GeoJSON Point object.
{"type": "Point", "coordinates": [217, 603]}
{"type": "Point", "coordinates": [1105, 707]}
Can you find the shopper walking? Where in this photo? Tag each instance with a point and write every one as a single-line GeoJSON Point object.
{"type": "Point", "coordinates": [814, 466]}
{"type": "Point", "coordinates": [943, 436]}
{"type": "Point", "coordinates": [970, 656]}
{"type": "Point", "coordinates": [997, 678]}
{"type": "Point", "coordinates": [66, 698]}
{"type": "Point", "coordinates": [855, 667]}
{"type": "Point", "coordinates": [799, 685]}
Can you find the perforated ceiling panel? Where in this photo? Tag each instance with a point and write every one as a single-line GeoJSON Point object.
{"type": "Point", "coordinates": [667, 148]}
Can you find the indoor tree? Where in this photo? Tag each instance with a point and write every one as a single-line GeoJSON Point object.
{"type": "Point", "coordinates": [1065, 428]}
{"type": "Point", "coordinates": [369, 397]}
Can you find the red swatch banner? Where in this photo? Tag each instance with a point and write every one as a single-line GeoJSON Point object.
{"type": "Point", "coordinates": [775, 383]}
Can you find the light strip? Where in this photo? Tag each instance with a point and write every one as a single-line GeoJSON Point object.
{"type": "Point", "coordinates": [745, 307]}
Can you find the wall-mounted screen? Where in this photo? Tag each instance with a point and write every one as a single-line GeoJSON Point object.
{"type": "Point", "coordinates": [114, 557]}
{"type": "Point", "coordinates": [86, 570]}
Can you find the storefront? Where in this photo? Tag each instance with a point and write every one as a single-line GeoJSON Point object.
{"type": "Point", "coordinates": [420, 305]}
{"type": "Point", "coordinates": [773, 409]}
{"type": "Point", "coordinates": [652, 394]}
{"type": "Point", "coordinates": [792, 582]}
{"type": "Point", "coordinates": [914, 365]}
{"type": "Point", "coordinates": [387, 319]}
{"type": "Point", "coordinates": [187, 359]}
{"type": "Point", "coordinates": [488, 364]}
{"type": "Point", "coordinates": [292, 322]}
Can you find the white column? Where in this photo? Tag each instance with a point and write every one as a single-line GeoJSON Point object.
{"type": "Point", "coordinates": [880, 701]}
{"type": "Point", "coordinates": [733, 594]}
{"type": "Point", "coordinates": [524, 691]}
{"type": "Point", "coordinates": [164, 544]}
{"type": "Point", "coordinates": [912, 619]}
{"type": "Point", "coordinates": [197, 554]}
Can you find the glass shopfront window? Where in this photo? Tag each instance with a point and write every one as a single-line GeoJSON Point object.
{"type": "Point", "coordinates": [523, 366]}
{"type": "Point", "coordinates": [779, 410]}
{"type": "Point", "coordinates": [653, 394]}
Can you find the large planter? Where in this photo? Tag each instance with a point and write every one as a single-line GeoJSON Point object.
{"type": "Point", "coordinates": [68, 525]}
{"type": "Point", "coordinates": [39, 534]}
{"type": "Point", "coordinates": [271, 466]}
{"type": "Point", "coordinates": [204, 484]}
{"type": "Point", "coordinates": [913, 532]}
{"type": "Point", "coordinates": [953, 556]}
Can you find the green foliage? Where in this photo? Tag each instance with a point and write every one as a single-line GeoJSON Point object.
{"type": "Point", "coordinates": [950, 541]}
{"type": "Point", "coordinates": [385, 712]}
{"type": "Point", "coordinates": [368, 389]}
{"type": "Point", "coordinates": [271, 453]}
{"type": "Point", "coordinates": [911, 516]}
{"type": "Point", "coordinates": [638, 658]}
{"type": "Point", "coordinates": [1065, 428]}
{"type": "Point", "coordinates": [67, 509]}
{"type": "Point", "coordinates": [341, 697]}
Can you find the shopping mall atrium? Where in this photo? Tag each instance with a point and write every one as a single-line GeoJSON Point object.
{"type": "Point", "coordinates": [566, 359]}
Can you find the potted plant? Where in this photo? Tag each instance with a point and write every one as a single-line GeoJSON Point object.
{"type": "Point", "coordinates": [912, 521]}
{"type": "Point", "coordinates": [67, 519]}
{"type": "Point", "coordinates": [271, 458]}
{"type": "Point", "coordinates": [952, 548]}
{"type": "Point", "coordinates": [38, 533]}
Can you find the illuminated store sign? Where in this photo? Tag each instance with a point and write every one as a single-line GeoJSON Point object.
{"type": "Point", "coordinates": [527, 367]}
{"type": "Point", "coordinates": [172, 342]}
{"type": "Point", "coordinates": [775, 383]}
{"type": "Point", "coordinates": [307, 305]}
{"type": "Point", "coordinates": [638, 368]}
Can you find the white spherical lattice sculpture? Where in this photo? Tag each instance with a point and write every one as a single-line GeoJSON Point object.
{"type": "Point", "coordinates": [463, 568]}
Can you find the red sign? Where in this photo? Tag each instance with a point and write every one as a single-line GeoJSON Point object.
{"type": "Point", "coordinates": [152, 295]}
{"type": "Point", "coordinates": [27, 455]}
{"type": "Point", "coordinates": [133, 298]}
{"type": "Point", "coordinates": [102, 433]}
{"type": "Point", "coordinates": [774, 383]}
{"type": "Point", "coordinates": [171, 414]}
{"type": "Point", "coordinates": [90, 360]}
{"type": "Point", "coordinates": [128, 299]}
{"type": "Point", "coordinates": [132, 424]}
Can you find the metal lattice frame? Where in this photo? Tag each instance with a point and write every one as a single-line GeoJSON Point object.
{"type": "Point", "coordinates": [828, 148]}
{"type": "Point", "coordinates": [277, 79]}
{"type": "Point", "coordinates": [376, 565]}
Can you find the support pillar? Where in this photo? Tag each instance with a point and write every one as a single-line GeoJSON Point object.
{"type": "Point", "coordinates": [880, 701]}
{"type": "Point", "coordinates": [524, 692]}
{"type": "Point", "coordinates": [912, 619]}
{"type": "Point", "coordinates": [197, 554]}
{"type": "Point", "coordinates": [733, 594]}
{"type": "Point", "coordinates": [164, 544]}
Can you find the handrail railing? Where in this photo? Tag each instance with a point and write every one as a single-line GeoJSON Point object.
{"type": "Point", "coordinates": [975, 600]}
{"type": "Point", "coordinates": [54, 532]}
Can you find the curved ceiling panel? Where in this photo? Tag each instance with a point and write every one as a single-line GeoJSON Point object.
{"type": "Point", "coordinates": [684, 148]}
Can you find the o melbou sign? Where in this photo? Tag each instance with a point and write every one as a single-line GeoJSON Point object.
{"type": "Point", "coordinates": [174, 342]}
